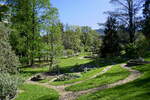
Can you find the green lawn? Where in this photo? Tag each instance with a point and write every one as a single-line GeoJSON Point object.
{"type": "Point", "coordinates": [65, 64]}
{"type": "Point", "coordinates": [35, 92]}
{"type": "Point", "coordinates": [28, 72]}
{"type": "Point", "coordinates": [85, 76]}
{"type": "Point", "coordinates": [114, 74]}
{"type": "Point", "coordinates": [136, 90]}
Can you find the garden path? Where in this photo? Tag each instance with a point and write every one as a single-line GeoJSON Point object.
{"type": "Point", "coordinates": [69, 95]}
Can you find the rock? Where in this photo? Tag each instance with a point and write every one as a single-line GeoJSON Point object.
{"type": "Point", "coordinates": [135, 62]}
{"type": "Point", "coordinates": [66, 77]}
{"type": "Point", "coordinates": [37, 78]}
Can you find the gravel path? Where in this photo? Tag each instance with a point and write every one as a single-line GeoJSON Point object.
{"type": "Point", "coordinates": [69, 95]}
{"type": "Point", "coordinates": [133, 76]}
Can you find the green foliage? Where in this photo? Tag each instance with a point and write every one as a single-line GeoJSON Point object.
{"type": "Point", "coordinates": [69, 52]}
{"type": "Point", "coordinates": [146, 14]}
{"type": "Point", "coordinates": [23, 60]}
{"type": "Point", "coordinates": [8, 86]}
{"type": "Point", "coordinates": [142, 46]}
{"type": "Point", "coordinates": [111, 44]}
{"type": "Point", "coordinates": [96, 43]}
{"type": "Point", "coordinates": [90, 39]}
{"type": "Point", "coordinates": [55, 42]}
{"type": "Point", "coordinates": [137, 49]}
{"type": "Point", "coordinates": [3, 11]}
{"type": "Point", "coordinates": [8, 60]}
{"type": "Point", "coordinates": [86, 37]}
{"type": "Point", "coordinates": [81, 38]}
{"type": "Point", "coordinates": [131, 50]}
{"type": "Point", "coordinates": [28, 20]}
{"type": "Point", "coordinates": [71, 38]}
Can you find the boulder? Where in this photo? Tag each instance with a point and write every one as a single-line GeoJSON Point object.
{"type": "Point", "coordinates": [135, 62]}
{"type": "Point", "coordinates": [37, 78]}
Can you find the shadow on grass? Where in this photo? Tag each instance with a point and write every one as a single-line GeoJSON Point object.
{"type": "Point", "coordinates": [96, 63]}
{"type": "Point", "coordinates": [112, 74]}
{"type": "Point", "coordinates": [31, 72]}
{"type": "Point", "coordinates": [137, 90]}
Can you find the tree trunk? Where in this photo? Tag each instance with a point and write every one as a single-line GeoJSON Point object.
{"type": "Point", "coordinates": [51, 52]}
{"type": "Point", "coordinates": [131, 25]}
{"type": "Point", "coordinates": [33, 33]}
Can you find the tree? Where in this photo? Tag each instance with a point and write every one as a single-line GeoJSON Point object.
{"type": "Point", "coordinates": [146, 14]}
{"type": "Point", "coordinates": [127, 14]}
{"type": "Point", "coordinates": [48, 19]}
{"type": "Point", "coordinates": [96, 42]}
{"type": "Point", "coordinates": [86, 38]}
{"type": "Point", "coordinates": [8, 59]}
{"type": "Point", "coordinates": [110, 46]}
{"type": "Point", "coordinates": [27, 20]}
{"type": "Point", "coordinates": [19, 37]}
{"type": "Point", "coordinates": [55, 43]}
{"type": "Point", "coordinates": [3, 12]}
{"type": "Point", "coordinates": [81, 38]}
{"type": "Point", "coordinates": [71, 38]}
{"type": "Point", "coordinates": [76, 40]}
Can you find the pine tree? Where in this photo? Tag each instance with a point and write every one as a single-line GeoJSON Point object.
{"type": "Point", "coordinates": [110, 46]}
{"type": "Point", "coordinates": [3, 12]}
{"type": "Point", "coordinates": [146, 13]}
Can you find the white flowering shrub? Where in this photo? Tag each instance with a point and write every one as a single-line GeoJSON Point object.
{"type": "Point", "coordinates": [8, 86]}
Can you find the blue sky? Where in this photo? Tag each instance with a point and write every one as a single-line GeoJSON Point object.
{"type": "Point", "coordinates": [82, 12]}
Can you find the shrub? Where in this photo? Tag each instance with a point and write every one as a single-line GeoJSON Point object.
{"type": "Point", "coordinates": [8, 86]}
{"type": "Point", "coordinates": [56, 69]}
{"type": "Point", "coordinates": [8, 60]}
{"type": "Point", "coordinates": [131, 50]}
{"type": "Point", "coordinates": [137, 49]}
{"type": "Point", "coordinates": [23, 60]}
{"type": "Point", "coordinates": [142, 47]}
{"type": "Point", "coordinates": [69, 53]}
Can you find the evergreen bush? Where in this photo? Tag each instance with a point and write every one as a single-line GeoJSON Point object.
{"type": "Point", "coordinates": [8, 60]}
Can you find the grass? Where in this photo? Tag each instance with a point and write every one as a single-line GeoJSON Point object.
{"type": "Point", "coordinates": [35, 92]}
{"type": "Point", "coordinates": [68, 63]}
{"type": "Point", "coordinates": [28, 72]}
{"type": "Point", "coordinates": [85, 75]}
{"type": "Point", "coordinates": [65, 65]}
{"type": "Point", "coordinates": [114, 74]}
{"type": "Point", "coordinates": [136, 90]}
{"type": "Point", "coordinates": [45, 80]}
